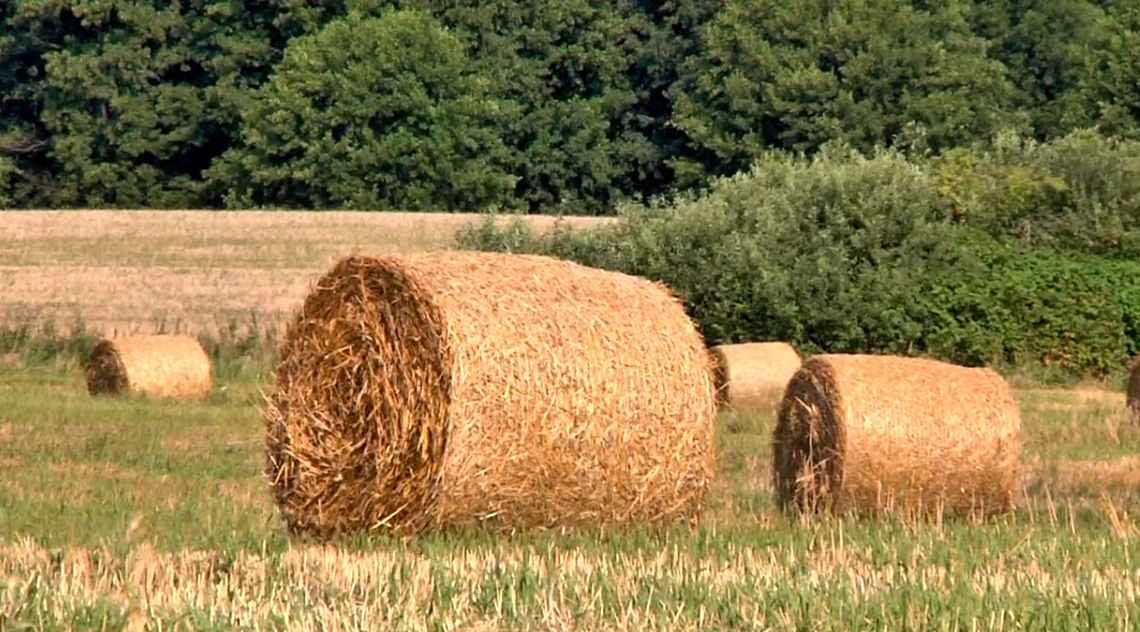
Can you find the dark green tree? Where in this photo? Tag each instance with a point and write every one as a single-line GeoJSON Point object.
{"type": "Point", "coordinates": [1112, 81]}
{"type": "Point", "coordinates": [796, 75]}
{"type": "Point", "coordinates": [370, 112]}
{"type": "Point", "coordinates": [1049, 47]}
{"type": "Point", "coordinates": [123, 103]}
{"type": "Point", "coordinates": [583, 84]}
{"type": "Point", "coordinates": [24, 141]}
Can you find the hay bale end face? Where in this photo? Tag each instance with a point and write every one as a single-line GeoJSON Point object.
{"type": "Point", "coordinates": [1134, 388]}
{"type": "Point", "coordinates": [914, 437]}
{"type": "Point", "coordinates": [169, 366]}
{"type": "Point", "coordinates": [432, 390]}
{"type": "Point", "coordinates": [752, 376]}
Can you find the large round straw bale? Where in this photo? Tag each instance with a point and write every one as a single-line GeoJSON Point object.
{"type": "Point", "coordinates": [159, 366]}
{"type": "Point", "coordinates": [433, 390]}
{"type": "Point", "coordinates": [752, 376]}
{"type": "Point", "coordinates": [917, 437]}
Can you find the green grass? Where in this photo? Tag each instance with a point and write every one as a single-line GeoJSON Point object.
{"type": "Point", "coordinates": [115, 511]}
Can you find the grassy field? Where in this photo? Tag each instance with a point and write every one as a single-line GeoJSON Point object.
{"type": "Point", "coordinates": [120, 513]}
{"type": "Point", "coordinates": [115, 511]}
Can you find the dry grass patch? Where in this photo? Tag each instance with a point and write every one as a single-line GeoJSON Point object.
{"type": "Point", "coordinates": [193, 272]}
{"type": "Point", "coordinates": [522, 588]}
{"type": "Point", "coordinates": [1071, 399]}
{"type": "Point", "coordinates": [128, 300]}
{"type": "Point", "coordinates": [1085, 475]}
{"type": "Point", "coordinates": [229, 239]}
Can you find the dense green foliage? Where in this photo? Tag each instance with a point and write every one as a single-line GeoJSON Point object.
{"type": "Point", "coordinates": [541, 106]}
{"type": "Point", "coordinates": [374, 112]}
{"type": "Point", "coordinates": [122, 104]}
{"type": "Point", "coordinates": [1080, 192]}
{"type": "Point", "coordinates": [796, 75]}
{"type": "Point", "coordinates": [1073, 314]}
{"type": "Point", "coordinates": [1021, 254]}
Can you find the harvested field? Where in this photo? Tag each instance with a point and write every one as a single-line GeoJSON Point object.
{"type": "Point", "coordinates": [123, 272]}
{"type": "Point", "coordinates": [140, 513]}
{"type": "Point", "coordinates": [124, 512]}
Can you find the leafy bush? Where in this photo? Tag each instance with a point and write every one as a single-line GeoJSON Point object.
{"type": "Point", "coordinates": [1061, 311]}
{"type": "Point", "coordinates": [1078, 193]}
{"type": "Point", "coordinates": [822, 251]}
{"type": "Point", "coordinates": [845, 253]}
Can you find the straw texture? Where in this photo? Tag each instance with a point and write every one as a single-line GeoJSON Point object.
{"type": "Point", "coordinates": [422, 391]}
{"type": "Point", "coordinates": [1134, 388]}
{"type": "Point", "coordinates": [752, 376]}
{"type": "Point", "coordinates": [917, 437]}
{"type": "Point", "coordinates": [173, 366]}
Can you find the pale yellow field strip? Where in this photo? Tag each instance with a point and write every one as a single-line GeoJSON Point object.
{"type": "Point", "coordinates": [328, 588]}
{"type": "Point", "coordinates": [193, 271]}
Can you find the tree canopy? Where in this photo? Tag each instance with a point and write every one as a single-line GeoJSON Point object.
{"type": "Point", "coordinates": [543, 106]}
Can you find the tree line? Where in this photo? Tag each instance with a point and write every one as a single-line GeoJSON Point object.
{"type": "Point", "coordinates": [541, 106]}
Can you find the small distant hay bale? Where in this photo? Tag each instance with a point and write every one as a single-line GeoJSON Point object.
{"type": "Point", "coordinates": [875, 434]}
{"type": "Point", "coordinates": [752, 376]}
{"type": "Point", "coordinates": [436, 390]}
{"type": "Point", "coordinates": [168, 366]}
{"type": "Point", "coordinates": [1134, 389]}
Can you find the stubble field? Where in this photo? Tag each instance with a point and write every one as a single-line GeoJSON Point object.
{"type": "Point", "coordinates": [129, 513]}
{"type": "Point", "coordinates": [192, 271]}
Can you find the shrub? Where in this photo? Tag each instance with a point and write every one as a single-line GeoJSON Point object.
{"type": "Point", "coordinates": [1055, 310]}
{"type": "Point", "coordinates": [846, 253]}
{"type": "Point", "coordinates": [1078, 193]}
{"type": "Point", "coordinates": [821, 251]}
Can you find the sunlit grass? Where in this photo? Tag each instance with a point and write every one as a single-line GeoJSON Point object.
{"type": "Point", "coordinates": [121, 510]}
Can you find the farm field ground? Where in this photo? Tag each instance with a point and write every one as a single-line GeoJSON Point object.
{"type": "Point", "coordinates": [120, 513]}
{"type": "Point", "coordinates": [192, 271]}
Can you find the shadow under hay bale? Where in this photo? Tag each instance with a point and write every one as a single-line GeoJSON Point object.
{"type": "Point", "coordinates": [169, 366]}
{"type": "Point", "coordinates": [434, 390]}
{"type": "Point", "coordinates": [909, 436]}
{"type": "Point", "coordinates": [752, 376]}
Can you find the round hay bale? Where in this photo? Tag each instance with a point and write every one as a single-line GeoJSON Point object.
{"type": "Point", "coordinates": [869, 434]}
{"type": "Point", "coordinates": [433, 390]}
{"type": "Point", "coordinates": [172, 366]}
{"type": "Point", "coordinates": [752, 376]}
{"type": "Point", "coordinates": [1134, 388]}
